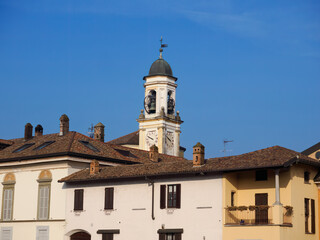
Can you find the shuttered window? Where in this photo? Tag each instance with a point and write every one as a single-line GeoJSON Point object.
{"type": "Point", "coordinates": [108, 200]}
{"type": "Point", "coordinates": [6, 233]}
{"type": "Point", "coordinates": [42, 233]}
{"type": "Point", "coordinates": [43, 202]}
{"type": "Point", "coordinates": [162, 196]}
{"type": "Point", "coordinates": [170, 236]}
{"type": "Point", "coordinates": [313, 217]}
{"type": "Point", "coordinates": [7, 204]}
{"type": "Point", "coordinates": [78, 199]}
{"type": "Point", "coordinates": [107, 236]}
{"type": "Point", "coordinates": [170, 198]}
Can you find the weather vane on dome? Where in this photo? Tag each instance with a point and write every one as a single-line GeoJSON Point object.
{"type": "Point", "coordinates": [161, 47]}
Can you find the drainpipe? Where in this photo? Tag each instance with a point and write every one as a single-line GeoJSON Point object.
{"type": "Point", "coordinates": [151, 183]}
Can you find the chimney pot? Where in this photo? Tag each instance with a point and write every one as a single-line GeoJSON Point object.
{"type": "Point", "coordinates": [38, 130]}
{"type": "Point", "coordinates": [198, 154]}
{"type": "Point", "coordinates": [99, 132]}
{"type": "Point", "coordinates": [154, 153]}
{"type": "Point", "coordinates": [28, 131]}
{"type": "Point", "coordinates": [94, 167]}
{"type": "Point", "coordinates": [64, 125]}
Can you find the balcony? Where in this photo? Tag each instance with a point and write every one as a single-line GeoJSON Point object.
{"type": "Point", "coordinates": [255, 215]}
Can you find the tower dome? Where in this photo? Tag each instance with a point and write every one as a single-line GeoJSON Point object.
{"type": "Point", "coordinates": [160, 67]}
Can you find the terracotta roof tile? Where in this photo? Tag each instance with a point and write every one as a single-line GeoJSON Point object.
{"type": "Point", "coordinates": [265, 158]}
{"type": "Point", "coordinates": [70, 144]}
{"type": "Point", "coordinates": [131, 138]}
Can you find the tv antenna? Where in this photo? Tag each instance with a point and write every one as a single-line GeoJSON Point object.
{"type": "Point", "coordinates": [162, 45]}
{"type": "Point", "coordinates": [225, 142]}
{"type": "Point", "coordinates": [91, 131]}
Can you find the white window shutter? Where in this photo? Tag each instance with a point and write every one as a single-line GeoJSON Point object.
{"type": "Point", "coordinates": [42, 233]}
{"type": "Point", "coordinates": [43, 202]}
{"type": "Point", "coordinates": [6, 233]}
{"type": "Point", "coordinates": [7, 204]}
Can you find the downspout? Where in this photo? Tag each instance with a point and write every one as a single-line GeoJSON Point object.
{"type": "Point", "coordinates": [151, 183]}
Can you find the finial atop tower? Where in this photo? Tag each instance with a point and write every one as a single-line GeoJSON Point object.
{"type": "Point", "coordinates": [161, 47]}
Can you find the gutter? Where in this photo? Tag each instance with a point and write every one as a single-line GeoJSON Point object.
{"type": "Point", "coordinates": [151, 183]}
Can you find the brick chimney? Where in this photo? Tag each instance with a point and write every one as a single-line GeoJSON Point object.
{"type": "Point", "coordinates": [99, 132]}
{"type": "Point", "coordinates": [64, 125]}
{"type": "Point", "coordinates": [94, 167]}
{"type": "Point", "coordinates": [198, 154]}
{"type": "Point", "coordinates": [38, 130]}
{"type": "Point", "coordinates": [154, 154]}
{"type": "Point", "coordinates": [28, 131]}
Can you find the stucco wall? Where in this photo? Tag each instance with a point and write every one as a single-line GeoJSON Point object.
{"type": "Point", "coordinates": [200, 215]}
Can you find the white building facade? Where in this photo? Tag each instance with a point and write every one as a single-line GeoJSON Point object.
{"type": "Point", "coordinates": [165, 208]}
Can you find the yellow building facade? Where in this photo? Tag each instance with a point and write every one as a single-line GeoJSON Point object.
{"type": "Point", "coordinates": [257, 207]}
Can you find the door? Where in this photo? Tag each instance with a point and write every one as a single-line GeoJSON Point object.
{"type": "Point", "coordinates": [261, 201]}
{"type": "Point", "coordinates": [80, 236]}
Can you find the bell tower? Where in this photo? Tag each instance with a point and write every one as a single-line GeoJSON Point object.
{"type": "Point", "coordinates": [159, 122]}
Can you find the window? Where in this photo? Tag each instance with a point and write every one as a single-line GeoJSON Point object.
{"type": "Point", "coordinates": [78, 200]}
{"type": "Point", "coordinates": [108, 200]}
{"type": "Point", "coordinates": [170, 234]}
{"type": "Point", "coordinates": [89, 145]}
{"type": "Point", "coordinates": [43, 145]}
{"type": "Point", "coordinates": [6, 233]}
{"type": "Point", "coordinates": [42, 233]}
{"type": "Point", "coordinates": [23, 147]}
{"type": "Point", "coordinates": [173, 199]}
{"type": "Point", "coordinates": [306, 177]}
{"type": "Point", "coordinates": [108, 234]}
{"type": "Point", "coordinates": [309, 213]}
{"type": "Point", "coordinates": [8, 196]}
{"type": "Point", "coordinates": [232, 198]}
{"type": "Point", "coordinates": [261, 175]}
{"type": "Point", "coordinates": [44, 190]}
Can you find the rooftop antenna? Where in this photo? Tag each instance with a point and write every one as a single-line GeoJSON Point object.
{"type": "Point", "coordinates": [225, 142]}
{"type": "Point", "coordinates": [91, 131]}
{"type": "Point", "coordinates": [162, 45]}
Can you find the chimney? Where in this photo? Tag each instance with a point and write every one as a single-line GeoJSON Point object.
{"type": "Point", "coordinates": [99, 132]}
{"type": "Point", "coordinates": [64, 125]}
{"type": "Point", "coordinates": [94, 167]}
{"type": "Point", "coordinates": [38, 130]}
{"type": "Point", "coordinates": [154, 154]}
{"type": "Point", "coordinates": [28, 131]}
{"type": "Point", "coordinates": [198, 154]}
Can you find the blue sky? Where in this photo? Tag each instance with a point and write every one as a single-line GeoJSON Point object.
{"type": "Point", "coordinates": [247, 71]}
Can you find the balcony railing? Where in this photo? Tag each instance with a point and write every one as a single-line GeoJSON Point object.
{"type": "Point", "coordinates": [248, 215]}
{"type": "Point", "coordinates": [255, 215]}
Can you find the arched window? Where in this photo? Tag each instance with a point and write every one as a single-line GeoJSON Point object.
{"type": "Point", "coordinates": [44, 180]}
{"type": "Point", "coordinates": [8, 192]}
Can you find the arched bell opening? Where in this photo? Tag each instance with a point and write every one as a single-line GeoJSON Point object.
{"type": "Point", "coordinates": [170, 103]}
{"type": "Point", "coordinates": [150, 104]}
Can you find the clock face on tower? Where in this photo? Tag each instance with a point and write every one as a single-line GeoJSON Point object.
{"type": "Point", "coordinates": [169, 141]}
{"type": "Point", "coordinates": [151, 138]}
